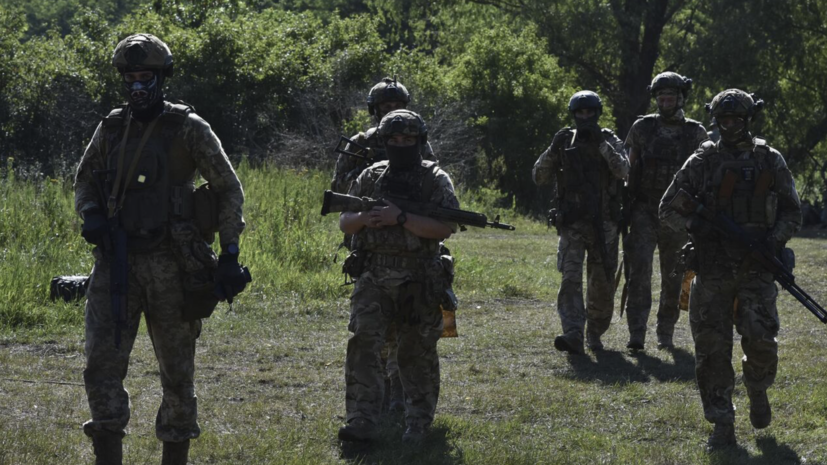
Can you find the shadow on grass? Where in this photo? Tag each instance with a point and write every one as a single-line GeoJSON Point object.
{"type": "Point", "coordinates": [614, 367]}
{"type": "Point", "coordinates": [772, 453]}
{"type": "Point", "coordinates": [437, 449]}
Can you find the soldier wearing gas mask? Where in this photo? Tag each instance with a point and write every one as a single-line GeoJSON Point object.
{"type": "Point", "coordinates": [135, 190]}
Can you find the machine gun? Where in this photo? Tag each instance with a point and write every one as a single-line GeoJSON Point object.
{"type": "Point", "coordinates": [115, 248]}
{"type": "Point", "coordinates": [686, 205]}
{"type": "Point", "coordinates": [334, 202]}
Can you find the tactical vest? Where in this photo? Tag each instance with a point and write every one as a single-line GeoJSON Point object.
{"type": "Point", "coordinates": [416, 185]}
{"type": "Point", "coordinates": [163, 181]}
{"type": "Point", "coordinates": [663, 156]}
{"type": "Point", "coordinates": [585, 183]}
{"type": "Point", "coordinates": [742, 189]}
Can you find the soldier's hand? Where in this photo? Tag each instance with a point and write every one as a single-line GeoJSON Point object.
{"type": "Point", "coordinates": [95, 227]}
{"type": "Point", "coordinates": [559, 140]}
{"type": "Point", "coordinates": [384, 216]}
{"type": "Point", "coordinates": [230, 277]}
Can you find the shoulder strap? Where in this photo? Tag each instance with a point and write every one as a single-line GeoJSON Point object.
{"type": "Point", "coordinates": [115, 118]}
{"type": "Point", "coordinates": [176, 114]}
{"type": "Point", "coordinates": [428, 180]}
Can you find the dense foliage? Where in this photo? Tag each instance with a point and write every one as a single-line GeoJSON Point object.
{"type": "Point", "coordinates": [279, 80]}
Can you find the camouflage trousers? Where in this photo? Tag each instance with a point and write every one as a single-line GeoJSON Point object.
{"type": "Point", "coordinates": [154, 289]}
{"type": "Point", "coordinates": [715, 305]}
{"type": "Point", "coordinates": [645, 233]}
{"type": "Point", "coordinates": [375, 305]}
{"type": "Point", "coordinates": [578, 244]}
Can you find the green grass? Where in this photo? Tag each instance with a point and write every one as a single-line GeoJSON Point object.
{"type": "Point", "coordinates": [270, 374]}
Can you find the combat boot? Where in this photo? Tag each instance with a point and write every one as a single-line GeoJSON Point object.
{"type": "Point", "coordinates": [593, 341]}
{"type": "Point", "coordinates": [665, 342]}
{"type": "Point", "coordinates": [175, 453]}
{"type": "Point", "coordinates": [397, 402]}
{"type": "Point", "coordinates": [636, 341]}
{"type": "Point", "coordinates": [108, 448]}
{"type": "Point", "coordinates": [722, 436]}
{"type": "Point", "coordinates": [760, 412]}
{"type": "Point", "coordinates": [570, 343]}
{"type": "Point", "coordinates": [358, 430]}
{"type": "Point", "coordinates": [415, 435]}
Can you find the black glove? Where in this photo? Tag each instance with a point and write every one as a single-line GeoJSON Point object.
{"type": "Point", "coordinates": [559, 139]}
{"type": "Point", "coordinates": [95, 227]}
{"type": "Point", "coordinates": [230, 277]}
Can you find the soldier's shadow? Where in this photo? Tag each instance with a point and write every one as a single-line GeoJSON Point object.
{"type": "Point", "coordinates": [436, 449]}
{"type": "Point", "coordinates": [772, 453]}
{"type": "Point", "coordinates": [615, 367]}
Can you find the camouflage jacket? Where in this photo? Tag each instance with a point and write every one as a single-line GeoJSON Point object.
{"type": "Point", "coordinates": [199, 142]}
{"type": "Point", "coordinates": [701, 177]}
{"type": "Point", "coordinates": [348, 168]}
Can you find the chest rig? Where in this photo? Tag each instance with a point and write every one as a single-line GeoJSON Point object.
{"type": "Point", "coordinates": [156, 171]}
{"type": "Point", "coordinates": [415, 185]}
{"type": "Point", "coordinates": [742, 189]}
{"type": "Point", "coordinates": [585, 185]}
{"type": "Point", "coordinates": [663, 154]}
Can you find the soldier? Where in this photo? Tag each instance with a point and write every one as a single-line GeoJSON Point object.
{"type": "Point", "coordinates": [383, 98]}
{"type": "Point", "coordinates": [587, 164]}
{"type": "Point", "coordinates": [150, 150]}
{"type": "Point", "coordinates": [399, 279]}
{"type": "Point", "coordinates": [658, 146]}
{"type": "Point", "coordinates": [748, 182]}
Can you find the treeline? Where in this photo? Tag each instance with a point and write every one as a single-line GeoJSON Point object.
{"type": "Point", "coordinates": [279, 80]}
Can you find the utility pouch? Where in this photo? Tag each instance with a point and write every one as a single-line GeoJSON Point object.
{"type": "Point", "coordinates": [199, 299]}
{"type": "Point", "coordinates": [354, 265]}
{"type": "Point", "coordinates": [205, 203]}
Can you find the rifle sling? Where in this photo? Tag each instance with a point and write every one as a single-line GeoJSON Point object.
{"type": "Point", "coordinates": [132, 166]}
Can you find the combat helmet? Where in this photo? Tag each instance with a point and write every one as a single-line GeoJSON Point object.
{"type": "Point", "coordinates": [735, 102]}
{"type": "Point", "coordinates": [143, 51]}
{"type": "Point", "coordinates": [403, 122]}
{"type": "Point", "coordinates": [669, 79]}
{"type": "Point", "coordinates": [585, 99]}
{"type": "Point", "coordinates": [389, 90]}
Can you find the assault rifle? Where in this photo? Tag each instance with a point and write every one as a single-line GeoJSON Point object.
{"type": "Point", "coordinates": [370, 156]}
{"type": "Point", "coordinates": [115, 248]}
{"type": "Point", "coordinates": [334, 202]}
{"type": "Point", "coordinates": [686, 205]}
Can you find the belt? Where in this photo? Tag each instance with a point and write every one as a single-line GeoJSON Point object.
{"type": "Point", "coordinates": [396, 261]}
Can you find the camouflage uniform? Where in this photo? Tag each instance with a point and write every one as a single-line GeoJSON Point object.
{"type": "Point", "coordinates": [730, 289]}
{"type": "Point", "coordinates": [402, 284]}
{"type": "Point", "coordinates": [577, 235]}
{"type": "Point", "coordinates": [662, 145]}
{"type": "Point", "coordinates": [159, 262]}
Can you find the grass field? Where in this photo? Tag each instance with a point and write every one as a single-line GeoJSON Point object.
{"type": "Point", "coordinates": [270, 373]}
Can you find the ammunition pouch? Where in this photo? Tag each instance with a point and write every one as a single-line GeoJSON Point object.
{"type": "Point", "coordinates": [449, 299]}
{"type": "Point", "coordinates": [355, 264]}
{"type": "Point", "coordinates": [68, 288]}
{"type": "Point", "coordinates": [205, 211]}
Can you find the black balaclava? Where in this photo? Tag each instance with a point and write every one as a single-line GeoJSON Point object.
{"type": "Point", "coordinates": [403, 158]}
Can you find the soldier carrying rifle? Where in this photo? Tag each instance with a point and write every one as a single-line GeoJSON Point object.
{"type": "Point", "coordinates": [587, 164]}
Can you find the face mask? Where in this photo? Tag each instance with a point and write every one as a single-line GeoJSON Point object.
{"type": "Point", "coordinates": [732, 133]}
{"type": "Point", "coordinates": [403, 158]}
{"type": "Point", "coordinates": [143, 94]}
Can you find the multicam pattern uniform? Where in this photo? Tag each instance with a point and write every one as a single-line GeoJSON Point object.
{"type": "Point", "coordinates": [729, 288]}
{"type": "Point", "coordinates": [155, 288]}
{"type": "Point", "coordinates": [348, 168]}
{"type": "Point", "coordinates": [577, 241]}
{"type": "Point", "coordinates": [406, 294]}
{"type": "Point", "coordinates": [662, 145]}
